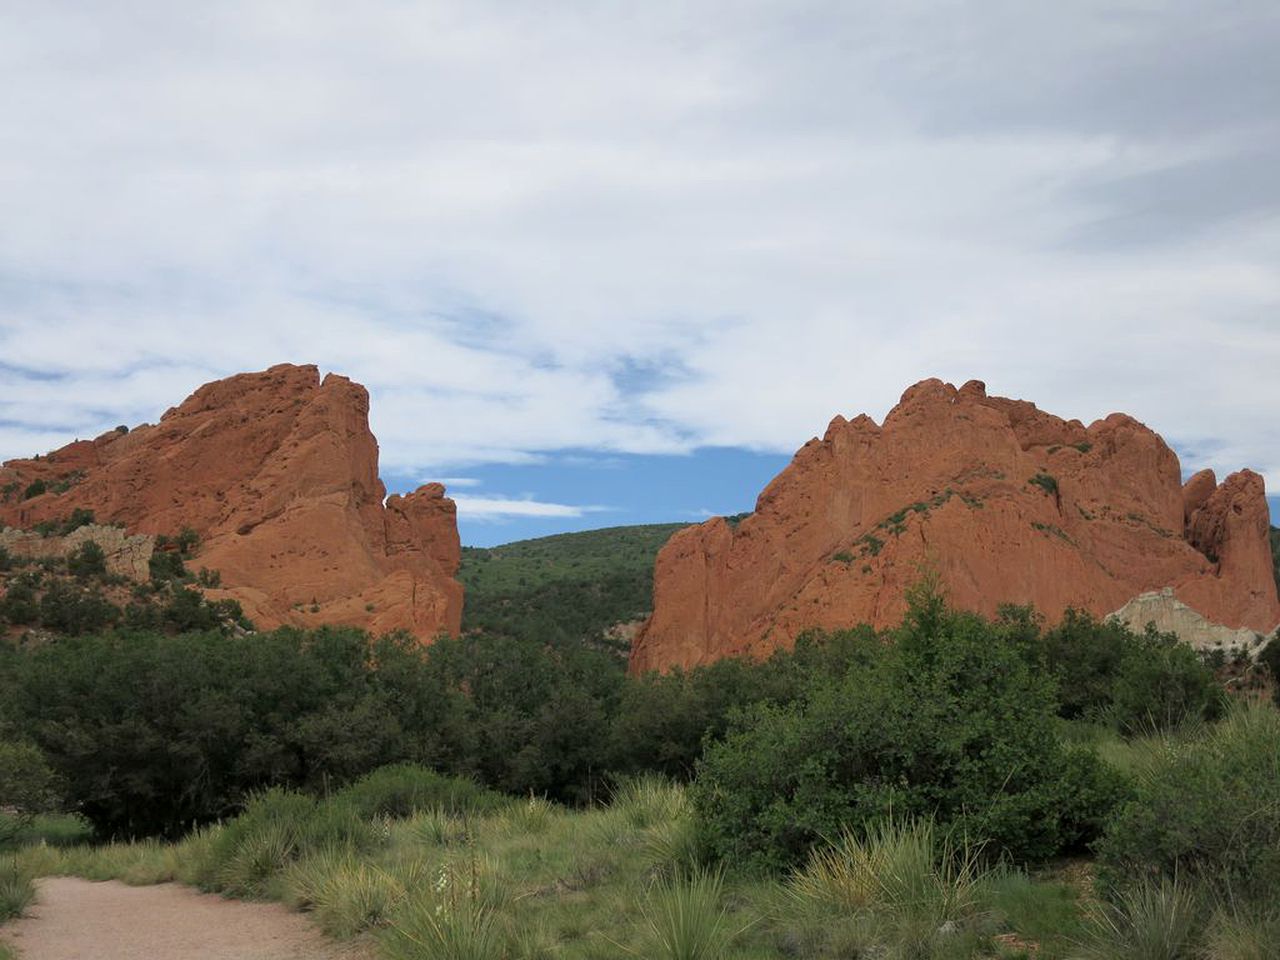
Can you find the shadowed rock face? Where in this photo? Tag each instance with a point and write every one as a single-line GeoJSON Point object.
{"type": "Point", "coordinates": [278, 474]}
{"type": "Point", "coordinates": [1007, 503]}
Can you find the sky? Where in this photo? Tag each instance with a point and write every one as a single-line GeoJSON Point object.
{"type": "Point", "coordinates": [605, 263]}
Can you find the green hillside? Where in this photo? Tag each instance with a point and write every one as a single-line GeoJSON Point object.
{"type": "Point", "coordinates": [569, 588]}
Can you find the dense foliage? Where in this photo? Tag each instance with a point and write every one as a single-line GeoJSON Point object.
{"type": "Point", "coordinates": [1133, 681]}
{"type": "Point", "coordinates": [1207, 807]}
{"type": "Point", "coordinates": [955, 719]}
{"type": "Point", "coordinates": [567, 588]}
{"type": "Point", "coordinates": [152, 730]}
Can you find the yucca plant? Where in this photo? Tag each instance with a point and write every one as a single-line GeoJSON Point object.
{"type": "Point", "coordinates": [258, 857]}
{"type": "Point", "coordinates": [451, 919]}
{"type": "Point", "coordinates": [1148, 921]}
{"type": "Point", "coordinates": [356, 897]}
{"type": "Point", "coordinates": [903, 868]}
{"type": "Point", "coordinates": [304, 880]}
{"type": "Point", "coordinates": [673, 847]}
{"type": "Point", "coordinates": [686, 917]}
{"type": "Point", "coordinates": [528, 817]}
{"type": "Point", "coordinates": [436, 827]}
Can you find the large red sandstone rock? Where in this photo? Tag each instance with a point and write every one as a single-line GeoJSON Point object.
{"type": "Point", "coordinates": [949, 481]}
{"type": "Point", "coordinates": [278, 474]}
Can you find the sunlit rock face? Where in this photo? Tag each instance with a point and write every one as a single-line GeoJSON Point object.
{"type": "Point", "coordinates": [1007, 503]}
{"type": "Point", "coordinates": [278, 474]}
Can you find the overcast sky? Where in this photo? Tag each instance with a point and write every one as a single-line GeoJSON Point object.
{"type": "Point", "coordinates": [550, 235]}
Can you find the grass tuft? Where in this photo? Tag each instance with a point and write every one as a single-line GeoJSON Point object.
{"type": "Point", "coordinates": [686, 917]}
{"type": "Point", "coordinates": [1149, 921]}
{"type": "Point", "coordinates": [649, 800]}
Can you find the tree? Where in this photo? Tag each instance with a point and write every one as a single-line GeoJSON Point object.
{"type": "Point", "coordinates": [27, 785]}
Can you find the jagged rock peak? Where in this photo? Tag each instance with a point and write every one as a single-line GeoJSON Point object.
{"type": "Point", "coordinates": [1009, 504]}
{"type": "Point", "coordinates": [277, 472]}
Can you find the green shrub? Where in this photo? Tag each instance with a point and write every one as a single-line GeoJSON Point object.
{"type": "Point", "coordinates": [88, 560]}
{"type": "Point", "coordinates": [73, 609]}
{"type": "Point", "coordinates": [277, 828]}
{"type": "Point", "coordinates": [1270, 658]}
{"type": "Point", "coordinates": [34, 489]}
{"type": "Point", "coordinates": [79, 517]}
{"type": "Point", "coordinates": [956, 719]}
{"type": "Point", "coordinates": [1046, 482]}
{"type": "Point", "coordinates": [44, 829]}
{"type": "Point", "coordinates": [19, 605]}
{"type": "Point", "coordinates": [403, 789]}
{"type": "Point", "coordinates": [151, 733]}
{"type": "Point", "coordinates": [28, 786]}
{"type": "Point", "coordinates": [1206, 808]}
{"type": "Point", "coordinates": [166, 566]}
{"type": "Point", "coordinates": [1161, 682]}
{"type": "Point", "coordinates": [1133, 681]}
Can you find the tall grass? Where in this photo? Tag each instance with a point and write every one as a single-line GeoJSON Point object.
{"type": "Point", "coordinates": [649, 800]}
{"type": "Point", "coordinates": [1253, 935]}
{"type": "Point", "coordinates": [17, 889]}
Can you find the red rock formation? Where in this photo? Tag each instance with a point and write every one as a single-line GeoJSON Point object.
{"type": "Point", "coordinates": [1007, 502]}
{"type": "Point", "coordinates": [278, 474]}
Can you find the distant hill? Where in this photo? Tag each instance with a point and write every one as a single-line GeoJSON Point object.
{"type": "Point", "coordinates": [568, 588]}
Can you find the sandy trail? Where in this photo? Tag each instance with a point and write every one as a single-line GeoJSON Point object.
{"type": "Point", "coordinates": [74, 919]}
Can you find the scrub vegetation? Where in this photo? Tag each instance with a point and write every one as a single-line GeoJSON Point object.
{"type": "Point", "coordinates": [569, 588]}
{"type": "Point", "coordinates": [954, 787]}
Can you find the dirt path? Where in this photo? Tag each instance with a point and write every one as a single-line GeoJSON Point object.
{"type": "Point", "coordinates": [77, 920]}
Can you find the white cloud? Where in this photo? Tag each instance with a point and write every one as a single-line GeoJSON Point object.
{"type": "Point", "coordinates": [503, 508]}
{"type": "Point", "coordinates": [488, 214]}
{"type": "Point", "coordinates": [455, 483]}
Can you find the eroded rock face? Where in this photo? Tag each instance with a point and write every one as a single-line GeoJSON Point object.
{"type": "Point", "coordinates": [278, 474]}
{"type": "Point", "coordinates": [1168, 614]}
{"type": "Point", "coordinates": [126, 555]}
{"type": "Point", "coordinates": [1008, 503]}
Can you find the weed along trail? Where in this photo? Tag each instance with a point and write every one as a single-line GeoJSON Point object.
{"type": "Point", "coordinates": [75, 919]}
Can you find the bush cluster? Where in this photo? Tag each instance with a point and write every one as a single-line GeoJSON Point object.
{"type": "Point", "coordinates": [955, 719]}
{"type": "Point", "coordinates": [1132, 681]}
{"type": "Point", "coordinates": [950, 716]}
{"type": "Point", "coordinates": [1206, 808]}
